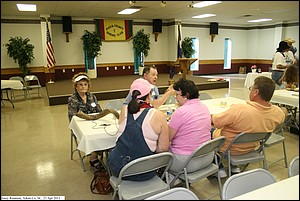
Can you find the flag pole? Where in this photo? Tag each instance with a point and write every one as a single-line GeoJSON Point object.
{"type": "Point", "coordinates": [49, 67]}
{"type": "Point", "coordinates": [50, 80]}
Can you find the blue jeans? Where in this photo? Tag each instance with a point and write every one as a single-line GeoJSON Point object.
{"type": "Point", "coordinates": [276, 75]}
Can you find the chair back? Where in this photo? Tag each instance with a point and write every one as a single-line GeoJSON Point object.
{"type": "Point", "coordinates": [245, 182]}
{"type": "Point", "coordinates": [279, 128]}
{"type": "Point", "coordinates": [294, 167]}
{"type": "Point", "coordinates": [147, 164]}
{"type": "Point", "coordinates": [203, 150]}
{"type": "Point", "coordinates": [206, 148]}
{"type": "Point", "coordinates": [18, 78]}
{"type": "Point", "coordinates": [250, 137]}
{"type": "Point", "coordinates": [116, 104]}
{"type": "Point", "coordinates": [29, 78]}
{"type": "Point", "coordinates": [175, 194]}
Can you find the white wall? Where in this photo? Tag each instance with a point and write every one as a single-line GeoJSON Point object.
{"type": "Point", "coordinates": [246, 44]}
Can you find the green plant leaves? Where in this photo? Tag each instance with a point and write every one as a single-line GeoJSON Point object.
{"type": "Point", "coordinates": [141, 42]}
{"type": "Point", "coordinates": [187, 47]}
{"type": "Point", "coordinates": [21, 51]}
{"type": "Point", "coordinates": [92, 43]}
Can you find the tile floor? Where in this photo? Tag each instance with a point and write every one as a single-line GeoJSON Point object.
{"type": "Point", "coordinates": [35, 150]}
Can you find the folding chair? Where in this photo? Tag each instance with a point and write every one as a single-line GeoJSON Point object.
{"type": "Point", "coordinates": [32, 82]}
{"type": "Point", "coordinates": [138, 190]}
{"type": "Point", "coordinates": [277, 137]}
{"type": "Point", "coordinates": [203, 150]}
{"type": "Point", "coordinates": [245, 182]}
{"type": "Point", "coordinates": [24, 89]}
{"type": "Point", "coordinates": [251, 157]}
{"type": "Point", "coordinates": [175, 194]}
{"type": "Point", "coordinates": [294, 167]}
{"type": "Point", "coordinates": [73, 138]}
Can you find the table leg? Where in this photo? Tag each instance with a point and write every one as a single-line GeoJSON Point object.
{"type": "Point", "coordinates": [7, 97]}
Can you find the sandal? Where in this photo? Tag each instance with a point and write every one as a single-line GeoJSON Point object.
{"type": "Point", "coordinates": [95, 163]}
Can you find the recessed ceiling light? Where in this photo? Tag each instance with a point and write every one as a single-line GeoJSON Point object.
{"type": "Point", "coordinates": [128, 11]}
{"type": "Point", "coordinates": [204, 16]}
{"type": "Point", "coordinates": [260, 20]}
{"type": "Point", "coordinates": [26, 7]}
{"type": "Point", "coordinates": [205, 3]}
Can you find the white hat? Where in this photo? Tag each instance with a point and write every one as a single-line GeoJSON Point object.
{"type": "Point", "coordinates": [80, 77]}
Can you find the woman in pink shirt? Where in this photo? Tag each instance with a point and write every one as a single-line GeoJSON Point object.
{"type": "Point", "coordinates": [189, 126]}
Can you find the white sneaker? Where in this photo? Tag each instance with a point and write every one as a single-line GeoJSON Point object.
{"type": "Point", "coordinates": [235, 170]}
{"type": "Point", "coordinates": [222, 173]}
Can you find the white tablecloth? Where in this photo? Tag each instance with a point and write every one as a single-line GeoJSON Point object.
{"type": "Point", "coordinates": [287, 189]}
{"type": "Point", "coordinates": [215, 105]}
{"type": "Point", "coordinates": [219, 105]}
{"type": "Point", "coordinates": [13, 84]}
{"type": "Point", "coordinates": [286, 97]}
{"type": "Point", "coordinates": [251, 77]}
{"type": "Point", "coordinates": [92, 135]}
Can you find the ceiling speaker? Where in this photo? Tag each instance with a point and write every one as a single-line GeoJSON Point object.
{"type": "Point", "coordinates": [214, 28]}
{"type": "Point", "coordinates": [157, 26]}
{"type": "Point", "coordinates": [67, 24]}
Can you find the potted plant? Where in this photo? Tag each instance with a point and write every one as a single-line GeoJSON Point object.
{"type": "Point", "coordinates": [21, 51]}
{"type": "Point", "coordinates": [141, 43]}
{"type": "Point", "coordinates": [187, 47]}
{"type": "Point", "coordinates": [92, 43]}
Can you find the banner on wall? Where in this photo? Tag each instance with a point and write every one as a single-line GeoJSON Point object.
{"type": "Point", "coordinates": [114, 30]}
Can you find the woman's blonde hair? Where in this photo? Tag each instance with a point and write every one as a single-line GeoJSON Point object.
{"type": "Point", "coordinates": [80, 76]}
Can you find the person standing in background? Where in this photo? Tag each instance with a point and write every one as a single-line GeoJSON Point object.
{"type": "Point", "coordinates": [291, 53]}
{"type": "Point", "coordinates": [280, 62]}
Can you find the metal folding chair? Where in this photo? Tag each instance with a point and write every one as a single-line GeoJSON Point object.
{"type": "Point", "coordinates": [138, 190]}
{"type": "Point", "coordinates": [251, 157]}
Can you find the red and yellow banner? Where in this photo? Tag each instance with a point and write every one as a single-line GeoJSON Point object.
{"type": "Point", "coordinates": [114, 30]}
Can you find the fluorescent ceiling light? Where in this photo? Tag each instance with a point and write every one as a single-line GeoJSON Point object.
{"type": "Point", "coordinates": [260, 20]}
{"type": "Point", "coordinates": [128, 11]}
{"type": "Point", "coordinates": [204, 16]}
{"type": "Point", "coordinates": [205, 3]}
{"type": "Point", "coordinates": [26, 7]}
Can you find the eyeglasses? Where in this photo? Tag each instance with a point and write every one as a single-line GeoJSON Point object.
{"type": "Point", "coordinates": [252, 87]}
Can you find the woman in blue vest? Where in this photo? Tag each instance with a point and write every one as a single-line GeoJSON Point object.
{"type": "Point", "coordinates": [143, 131]}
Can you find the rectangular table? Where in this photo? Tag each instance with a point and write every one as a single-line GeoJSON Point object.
{"type": "Point", "coordinates": [287, 189]}
{"type": "Point", "coordinates": [250, 77]}
{"type": "Point", "coordinates": [7, 85]}
{"type": "Point", "coordinates": [219, 105]}
{"type": "Point", "coordinates": [215, 105]}
{"type": "Point", "coordinates": [286, 97]}
{"type": "Point", "coordinates": [95, 135]}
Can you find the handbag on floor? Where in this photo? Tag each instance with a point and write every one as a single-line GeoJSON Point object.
{"type": "Point", "coordinates": [100, 183]}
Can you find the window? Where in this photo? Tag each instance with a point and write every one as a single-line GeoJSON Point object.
{"type": "Point", "coordinates": [227, 53]}
{"type": "Point", "coordinates": [195, 66]}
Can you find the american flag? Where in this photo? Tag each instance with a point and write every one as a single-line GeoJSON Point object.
{"type": "Point", "coordinates": [49, 50]}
